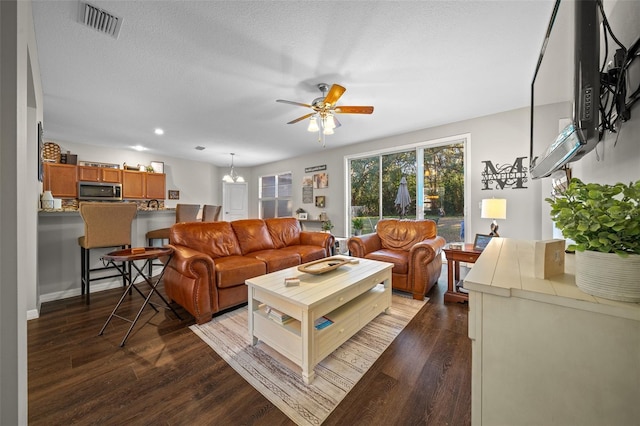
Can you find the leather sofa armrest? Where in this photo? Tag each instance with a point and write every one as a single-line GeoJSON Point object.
{"type": "Point", "coordinates": [426, 250]}
{"type": "Point", "coordinates": [322, 239]}
{"type": "Point", "coordinates": [184, 258]}
{"type": "Point", "coordinates": [425, 263]}
{"type": "Point", "coordinates": [364, 244]}
{"type": "Point", "coordinates": [189, 280]}
{"type": "Point", "coordinates": [436, 243]}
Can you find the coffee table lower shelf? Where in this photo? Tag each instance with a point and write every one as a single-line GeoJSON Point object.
{"type": "Point", "coordinates": [349, 308]}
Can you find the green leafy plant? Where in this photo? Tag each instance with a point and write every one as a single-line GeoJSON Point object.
{"type": "Point", "coordinates": [327, 225]}
{"type": "Point", "coordinates": [357, 223]}
{"type": "Point", "coordinates": [597, 217]}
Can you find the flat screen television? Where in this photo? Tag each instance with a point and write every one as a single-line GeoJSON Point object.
{"type": "Point", "coordinates": [566, 83]}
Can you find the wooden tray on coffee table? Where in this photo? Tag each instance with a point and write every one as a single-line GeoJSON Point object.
{"type": "Point", "coordinates": [323, 265]}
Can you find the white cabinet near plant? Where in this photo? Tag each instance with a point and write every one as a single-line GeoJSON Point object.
{"type": "Point", "coordinates": [543, 351]}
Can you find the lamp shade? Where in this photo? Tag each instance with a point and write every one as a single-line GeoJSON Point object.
{"type": "Point", "coordinates": [494, 208]}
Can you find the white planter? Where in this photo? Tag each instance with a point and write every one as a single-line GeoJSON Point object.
{"type": "Point", "coordinates": [608, 275]}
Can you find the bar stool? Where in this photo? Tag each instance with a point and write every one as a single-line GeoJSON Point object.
{"type": "Point", "coordinates": [211, 213]}
{"type": "Point", "coordinates": [184, 213]}
{"type": "Point", "coordinates": [106, 225]}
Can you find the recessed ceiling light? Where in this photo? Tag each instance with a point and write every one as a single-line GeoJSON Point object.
{"type": "Point", "coordinates": [159, 131]}
{"type": "Point", "coordinates": [139, 148]}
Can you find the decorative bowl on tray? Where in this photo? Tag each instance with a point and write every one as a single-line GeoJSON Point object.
{"type": "Point", "coordinates": [323, 265]}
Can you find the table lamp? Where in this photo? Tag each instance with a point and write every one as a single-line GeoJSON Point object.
{"type": "Point", "coordinates": [494, 208]}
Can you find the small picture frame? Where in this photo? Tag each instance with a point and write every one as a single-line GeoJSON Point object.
{"type": "Point", "coordinates": [481, 241]}
{"type": "Point", "coordinates": [157, 166]}
{"type": "Point", "coordinates": [174, 194]}
{"type": "Point", "coordinates": [302, 216]}
{"type": "Point", "coordinates": [320, 201]}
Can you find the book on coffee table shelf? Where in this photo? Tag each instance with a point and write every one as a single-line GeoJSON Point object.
{"type": "Point", "coordinates": [322, 322]}
{"type": "Point", "coordinates": [278, 316]}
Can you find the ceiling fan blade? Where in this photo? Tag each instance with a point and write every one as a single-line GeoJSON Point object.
{"type": "Point", "coordinates": [334, 94]}
{"type": "Point", "coordinates": [293, 103]}
{"type": "Point", "coordinates": [354, 109]}
{"type": "Point", "coordinates": [301, 118]}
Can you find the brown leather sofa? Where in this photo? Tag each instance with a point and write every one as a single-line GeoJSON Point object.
{"type": "Point", "coordinates": [211, 260]}
{"type": "Point", "coordinates": [413, 247]}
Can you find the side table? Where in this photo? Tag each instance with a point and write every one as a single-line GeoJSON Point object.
{"type": "Point", "coordinates": [454, 257]}
{"type": "Point", "coordinates": [130, 256]}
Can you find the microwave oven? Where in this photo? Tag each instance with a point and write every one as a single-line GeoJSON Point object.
{"type": "Point", "coordinates": [99, 191]}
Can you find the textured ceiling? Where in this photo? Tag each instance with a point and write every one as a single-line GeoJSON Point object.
{"type": "Point", "coordinates": [209, 72]}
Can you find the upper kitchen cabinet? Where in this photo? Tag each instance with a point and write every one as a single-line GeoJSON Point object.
{"type": "Point", "coordinates": [143, 185]}
{"type": "Point", "coordinates": [61, 180]}
{"type": "Point", "coordinates": [99, 174]}
{"type": "Point", "coordinates": [156, 185]}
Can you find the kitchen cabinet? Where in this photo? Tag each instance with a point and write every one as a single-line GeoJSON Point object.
{"type": "Point", "coordinates": [143, 185]}
{"type": "Point", "coordinates": [155, 186]}
{"type": "Point", "coordinates": [61, 180]}
{"type": "Point", "coordinates": [133, 184]}
{"type": "Point", "coordinates": [99, 174]}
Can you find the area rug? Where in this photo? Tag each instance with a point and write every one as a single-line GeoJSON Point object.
{"type": "Point", "coordinates": [280, 381]}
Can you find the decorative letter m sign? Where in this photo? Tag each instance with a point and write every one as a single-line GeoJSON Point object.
{"type": "Point", "coordinates": [513, 176]}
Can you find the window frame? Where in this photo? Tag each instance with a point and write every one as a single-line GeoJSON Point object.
{"type": "Point", "coordinates": [276, 198]}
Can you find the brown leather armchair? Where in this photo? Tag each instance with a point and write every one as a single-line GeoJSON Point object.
{"type": "Point", "coordinates": [413, 247]}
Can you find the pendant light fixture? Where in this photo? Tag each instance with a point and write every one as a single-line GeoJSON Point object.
{"type": "Point", "coordinates": [232, 177]}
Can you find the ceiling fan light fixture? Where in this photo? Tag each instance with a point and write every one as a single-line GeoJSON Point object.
{"type": "Point", "coordinates": [329, 123]}
{"type": "Point", "coordinates": [327, 131]}
{"type": "Point", "coordinates": [313, 125]}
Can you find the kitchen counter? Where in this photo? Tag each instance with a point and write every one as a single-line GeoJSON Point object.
{"type": "Point", "coordinates": [59, 252]}
{"type": "Point", "coordinates": [69, 211]}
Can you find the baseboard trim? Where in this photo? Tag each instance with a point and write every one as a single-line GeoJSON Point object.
{"type": "Point", "coordinates": [65, 294]}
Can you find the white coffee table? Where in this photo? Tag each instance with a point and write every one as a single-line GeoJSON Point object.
{"type": "Point", "coordinates": [350, 296]}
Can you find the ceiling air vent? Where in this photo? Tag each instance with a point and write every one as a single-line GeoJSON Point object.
{"type": "Point", "coordinates": [99, 19]}
{"type": "Point", "coordinates": [200, 148]}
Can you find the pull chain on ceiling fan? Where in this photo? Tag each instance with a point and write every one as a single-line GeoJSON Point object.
{"type": "Point", "coordinates": [323, 119]}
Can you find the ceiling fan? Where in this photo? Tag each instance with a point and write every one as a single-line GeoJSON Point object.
{"type": "Point", "coordinates": [322, 119]}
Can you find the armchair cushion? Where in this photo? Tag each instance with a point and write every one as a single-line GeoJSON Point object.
{"type": "Point", "coordinates": [404, 234]}
{"type": "Point", "coordinates": [413, 247]}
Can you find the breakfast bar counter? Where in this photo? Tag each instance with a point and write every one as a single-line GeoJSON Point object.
{"type": "Point", "coordinates": [59, 252]}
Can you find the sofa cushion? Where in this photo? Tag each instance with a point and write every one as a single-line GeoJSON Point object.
{"type": "Point", "coordinates": [284, 231]}
{"type": "Point", "coordinates": [276, 259]}
{"type": "Point", "coordinates": [233, 270]}
{"type": "Point", "coordinates": [402, 234]}
{"type": "Point", "coordinates": [215, 239]}
{"type": "Point", "coordinates": [252, 235]}
{"type": "Point", "coordinates": [399, 258]}
{"type": "Point", "coordinates": [306, 253]}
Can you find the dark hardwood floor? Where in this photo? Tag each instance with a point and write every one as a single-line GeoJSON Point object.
{"type": "Point", "coordinates": [167, 375]}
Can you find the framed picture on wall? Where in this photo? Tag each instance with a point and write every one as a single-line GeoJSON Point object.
{"type": "Point", "coordinates": [321, 180]}
{"type": "Point", "coordinates": [320, 201]}
{"type": "Point", "coordinates": [302, 216]}
{"type": "Point", "coordinates": [174, 195]}
{"type": "Point", "coordinates": [157, 166]}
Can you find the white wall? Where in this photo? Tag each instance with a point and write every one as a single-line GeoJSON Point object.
{"type": "Point", "coordinates": [20, 110]}
{"type": "Point", "coordinates": [499, 138]}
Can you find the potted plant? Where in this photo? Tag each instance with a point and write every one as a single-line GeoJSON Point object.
{"type": "Point", "coordinates": [357, 223]}
{"type": "Point", "coordinates": [327, 226]}
{"type": "Point", "coordinates": [604, 223]}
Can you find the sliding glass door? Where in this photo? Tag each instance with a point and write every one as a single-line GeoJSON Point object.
{"type": "Point", "coordinates": [423, 181]}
